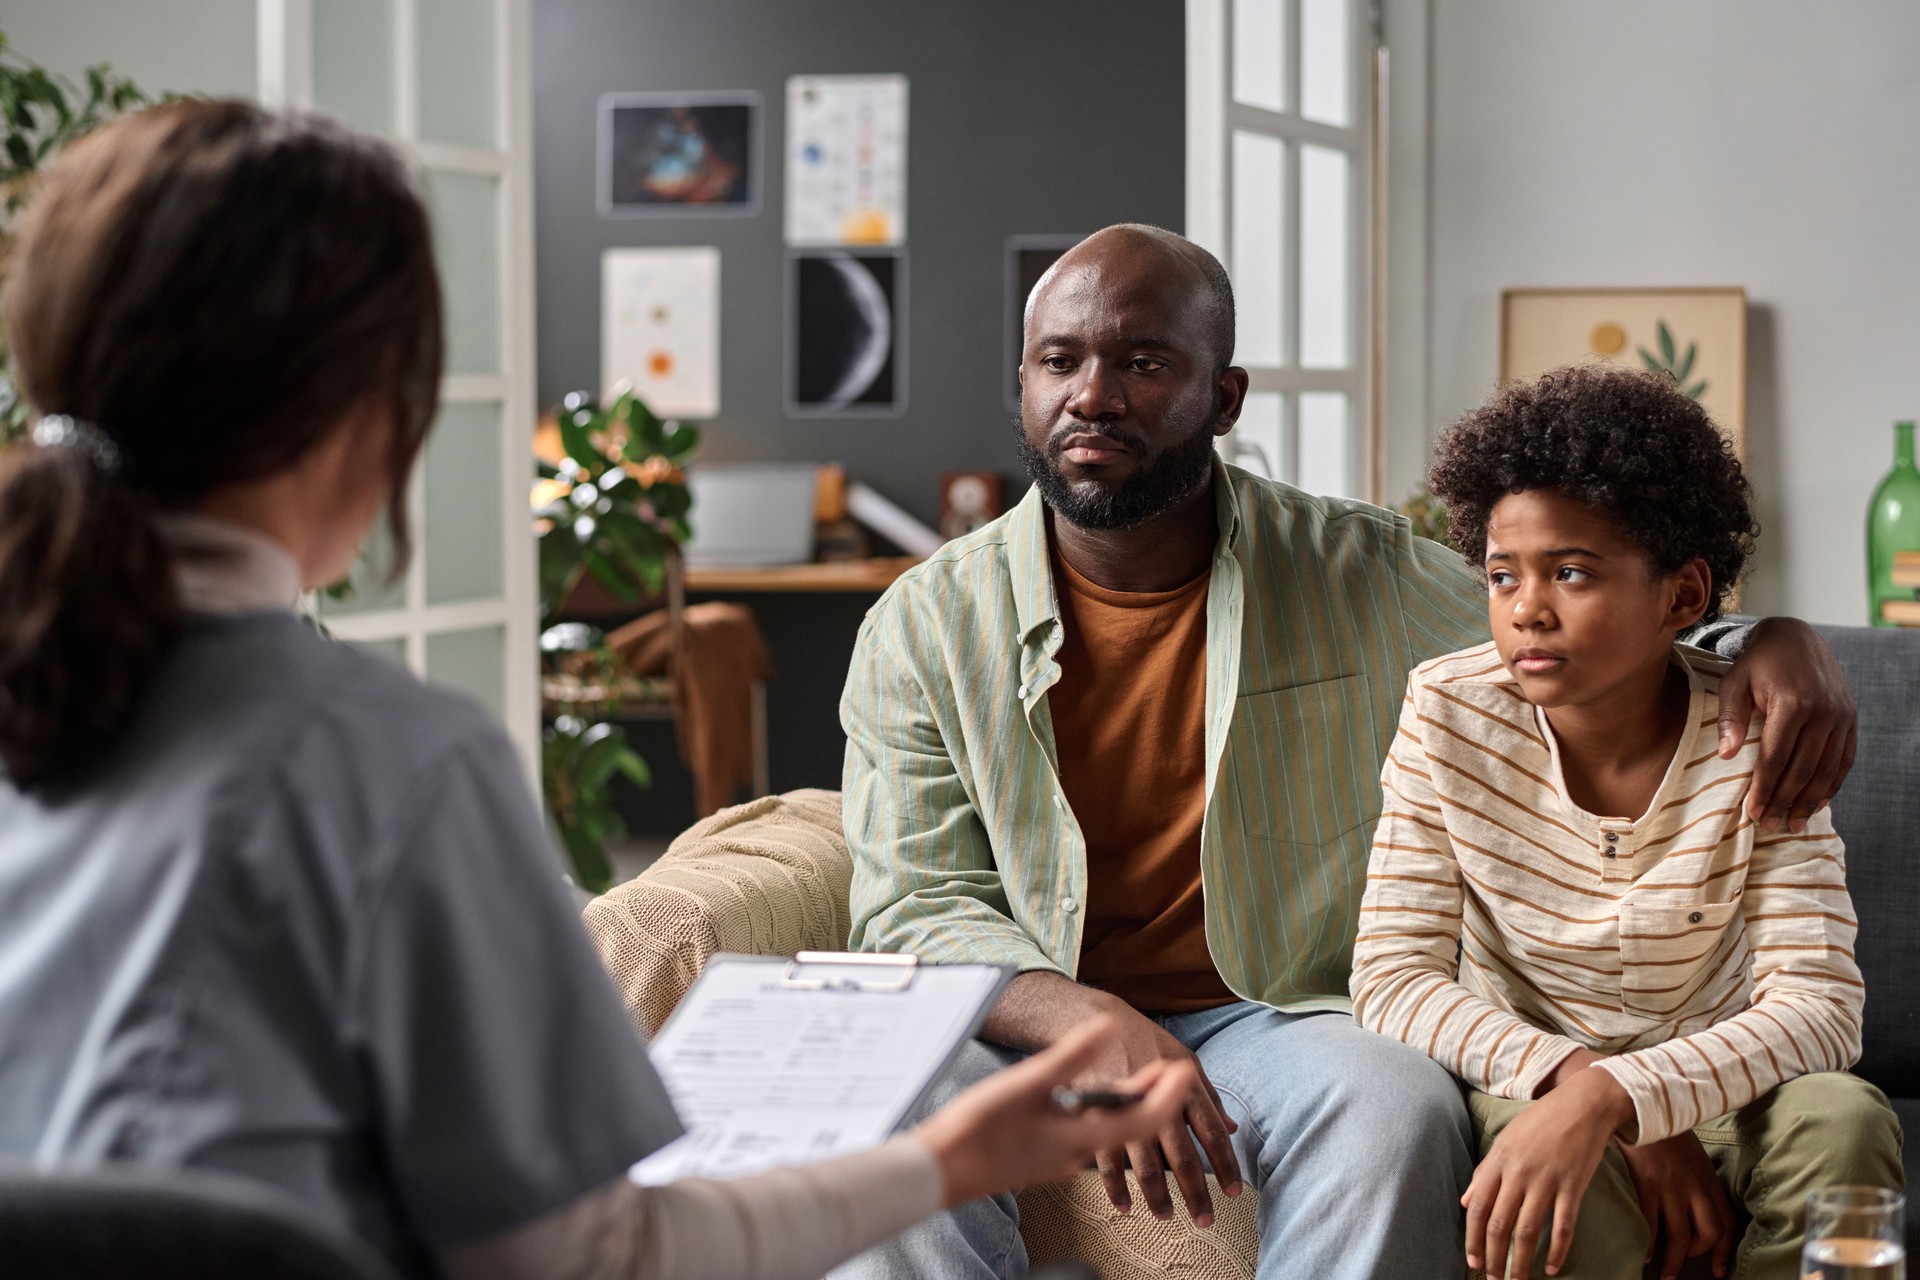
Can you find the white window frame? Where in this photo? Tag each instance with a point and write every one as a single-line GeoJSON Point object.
{"type": "Point", "coordinates": [1213, 116]}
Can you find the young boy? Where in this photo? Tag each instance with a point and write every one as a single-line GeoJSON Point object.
{"type": "Point", "coordinates": [1566, 905]}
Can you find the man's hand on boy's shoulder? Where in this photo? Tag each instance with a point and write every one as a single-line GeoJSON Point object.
{"type": "Point", "coordinates": [1788, 675]}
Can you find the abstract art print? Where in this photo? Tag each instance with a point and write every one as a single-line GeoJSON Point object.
{"type": "Point", "coordinates": [1697, 336]}
{"type": "Point", "coordinates": [679, 154]}
{"type": "Point", "coordinates": [660, 328]}
{"type": "Point", "coordinates": [846, 332]}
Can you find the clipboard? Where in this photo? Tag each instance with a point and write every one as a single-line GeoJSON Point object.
{"type": "Point", "coordinates": [773, 1061]}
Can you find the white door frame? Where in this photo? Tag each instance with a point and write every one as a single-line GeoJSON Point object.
{"type": "Point", "coordinates": [286, 79]}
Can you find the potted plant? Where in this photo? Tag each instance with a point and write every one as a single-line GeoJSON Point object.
{"type": "Point", "coordinates": [612, 506]}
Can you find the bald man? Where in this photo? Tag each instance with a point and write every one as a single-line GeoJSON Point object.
{"type": "Point", "coordinates": [1127, 740]}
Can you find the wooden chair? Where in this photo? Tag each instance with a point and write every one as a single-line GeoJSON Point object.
{"type": "Point", "coordinates": [638, 697]}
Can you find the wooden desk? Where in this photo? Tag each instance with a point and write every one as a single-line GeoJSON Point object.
{"type": "Point", "coordinates": [872, 576]}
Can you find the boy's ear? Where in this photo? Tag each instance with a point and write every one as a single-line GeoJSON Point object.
{"type": "Point", "coordinates": [1692, 593]}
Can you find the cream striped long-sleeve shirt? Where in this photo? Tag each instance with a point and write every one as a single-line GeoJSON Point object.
{"type": "Point", "coordinates": [1503, 926]}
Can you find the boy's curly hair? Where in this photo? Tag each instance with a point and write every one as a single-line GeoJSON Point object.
{"type": "Point", "coordinates": [1627, 443]}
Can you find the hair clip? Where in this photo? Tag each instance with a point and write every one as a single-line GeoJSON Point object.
{"type": "Point", "coordinates": [57, 430]}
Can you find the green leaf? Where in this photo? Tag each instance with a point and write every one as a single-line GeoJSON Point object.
{"type": "Point", "coordinates": [1697, 390]}
{"type": "Point", "coordinates": [681, 442]}
{"type": "Point", "coordinates": [1686, 362]}
{"type": "Point", "coordinates": [611, 578]}
{"type": "Point", "coordinates": [575, 440]}
{"type": "Point", "coordinates": [635, 769]}
{"type": "Point", "coordinates": [1666, 342]}
{"type": "Point", "coordinates": [670, 500]}
{"type": "Point", "coordinates": [1646, 358]}
{"type": "Point", "coordinates": [591, 870]}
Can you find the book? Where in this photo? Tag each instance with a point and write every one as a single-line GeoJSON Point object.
{"type": "Point", "coordinates": [1905, 613]}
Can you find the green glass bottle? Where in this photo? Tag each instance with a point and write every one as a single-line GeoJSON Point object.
{"type": "Point", "coordinates": [1893, 525]}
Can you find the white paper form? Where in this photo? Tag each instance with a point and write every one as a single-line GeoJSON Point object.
{"type": "Point", "coordinates": [764, 1075]}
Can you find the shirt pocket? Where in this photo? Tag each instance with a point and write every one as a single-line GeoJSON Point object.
{"type": "Point", "coordinates": [1303, 763]}
{"type": "Point", "coordinates": [1669, 953]}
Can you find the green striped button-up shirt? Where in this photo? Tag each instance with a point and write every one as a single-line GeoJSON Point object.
{"type": "Point", "coordinates": [964, 848]}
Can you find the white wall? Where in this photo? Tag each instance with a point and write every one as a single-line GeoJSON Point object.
{"type": "Point", "coordinates": [1768, 143]}
{"type": "Point", "coordinates": [165, 46]}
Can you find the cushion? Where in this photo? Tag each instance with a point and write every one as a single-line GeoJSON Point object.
{"type": "Point", "coordinates": [1878, 815]}
{"type": "Point", "coordinates": [768, 878]}
{"type": "Point", "coordinates": [1075, 1220]}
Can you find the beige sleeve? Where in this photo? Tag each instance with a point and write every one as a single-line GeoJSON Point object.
{"type": "Point", "coordinates": [1406, 958]}
{"type": "Point", "coordinates": [1805, 1011]}
{"type": "Point", "coordinates": [790, 1224]}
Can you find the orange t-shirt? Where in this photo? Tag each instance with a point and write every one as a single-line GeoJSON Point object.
{"type": "Point", "coordinates": [1129, 721]}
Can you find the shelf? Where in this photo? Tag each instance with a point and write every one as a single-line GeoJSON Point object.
{"type": "Point", "coordinates": [874, 576]}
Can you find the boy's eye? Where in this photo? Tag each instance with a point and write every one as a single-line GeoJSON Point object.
{"type": "Point", "coordinates": [1499, 578]}
{"type": "Point", "coordinates": [1572, 573]}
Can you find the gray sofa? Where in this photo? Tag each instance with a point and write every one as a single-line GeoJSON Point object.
{"type": "Point", "coordinates": [1878, 815]}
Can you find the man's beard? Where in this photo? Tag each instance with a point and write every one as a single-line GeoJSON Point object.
{"type": "Point", "coordinates": [1161, 483]}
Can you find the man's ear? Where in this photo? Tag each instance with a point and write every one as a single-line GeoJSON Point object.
{"type": "Point", "coordinates": [1230, 394]}
{"type": "Point", "coordinates": [1693, 587]}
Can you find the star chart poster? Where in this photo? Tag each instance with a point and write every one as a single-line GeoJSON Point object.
{"type": "Point", "coordinates": [847, 160]}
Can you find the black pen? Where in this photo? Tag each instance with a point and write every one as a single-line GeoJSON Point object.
{"type": "Point", "coordinates": [1072, 1102]}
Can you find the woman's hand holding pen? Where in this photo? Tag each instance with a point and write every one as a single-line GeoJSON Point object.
{"type": "Point", "coordinates": [1007, 1131]}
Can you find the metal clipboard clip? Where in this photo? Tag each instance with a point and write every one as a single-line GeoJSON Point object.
{"type": "Point", "coordinates": [897, 971]}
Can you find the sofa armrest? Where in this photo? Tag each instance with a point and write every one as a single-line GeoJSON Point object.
{"type": "Point", "coordinates": [765, 878]}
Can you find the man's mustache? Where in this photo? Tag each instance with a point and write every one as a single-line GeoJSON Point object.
{"type": "Point", "coordinates": [1057, 438]}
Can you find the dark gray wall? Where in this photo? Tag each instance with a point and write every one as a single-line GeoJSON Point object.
{"type": "Point", "coordinates": [1024, 117]}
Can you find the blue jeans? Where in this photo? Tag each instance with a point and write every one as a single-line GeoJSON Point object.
{"type": "Point", "coordinates": [1358, 1147]}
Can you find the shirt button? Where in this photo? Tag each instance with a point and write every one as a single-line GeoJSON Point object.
{"type": "Point", "coordinates": [1613, 837]}
{"type": "Point", "coordinates": [1069, 906]}
{"type": "Point", "coordinates": [1022, 691]}
{"type": "Point", "coordinates": [1060, 801]}
{"type": "Point", "coordinates": [1695, 918]}
{"type": "Point", "coordinates": [1610, 853]}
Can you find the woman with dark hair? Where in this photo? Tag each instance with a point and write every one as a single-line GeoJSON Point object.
{"type": "Point", "coordinates": [268, 905]}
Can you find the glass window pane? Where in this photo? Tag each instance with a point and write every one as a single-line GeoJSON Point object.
{"type": "Point", "coordinates": [1260, 53]}
{"type": "Point", "coordinates": [394, 651]}
{"type": "Point", "coordinates": [458, 72]}
{"type": "Point", "coordinates": [353, 67]}
{"type": "Point", "coordinates": [1255, 441]}
{"type": "Point", "coordinates": [473, 663]}
{"type": "Point", "coordinates": [1326, 252]}
{"type": "Point", "coordinates": [1326, 61]}
{"type": "Point", "coordinates": [1259, 264]}
{"type": "Point", "coordinates": [466, 240]}
{"type": "Point", "coordinates": [368, 590]}
{"type": "Point", "coordinates": [1326, 454]}
{"type": "Point", "coordinates": [463, 508]}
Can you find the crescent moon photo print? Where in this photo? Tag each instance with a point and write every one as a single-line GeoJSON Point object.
{"type": "Point", "coordinates": [846, 332]}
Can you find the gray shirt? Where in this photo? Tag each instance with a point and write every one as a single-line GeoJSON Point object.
{"type": "Point", "coordinates": [300, 920]}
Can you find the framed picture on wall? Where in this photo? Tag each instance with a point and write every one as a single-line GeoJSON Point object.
{"type": "Point", "coordinates": [679, 154]}
{"type": "Point", "coordinates": [1698, 335]}
{"type": "Point", "coordinates": [1028, 258]}
{"type": "Point", "coordinates": [846, 332]}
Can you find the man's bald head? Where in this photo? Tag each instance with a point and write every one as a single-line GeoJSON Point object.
{"type": "Point", "coordinates": [1138, 246]}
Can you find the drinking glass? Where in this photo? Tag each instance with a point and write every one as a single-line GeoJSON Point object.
{"type": "Point", "coordinates": [1854, 1233]}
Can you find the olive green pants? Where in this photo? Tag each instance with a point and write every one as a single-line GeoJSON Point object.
{"type": "Point", "coordinates": [1813, 1131]}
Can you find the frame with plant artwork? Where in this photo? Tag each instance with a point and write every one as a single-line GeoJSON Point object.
{"type": "Point", "coordinates": [1698, 335]}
